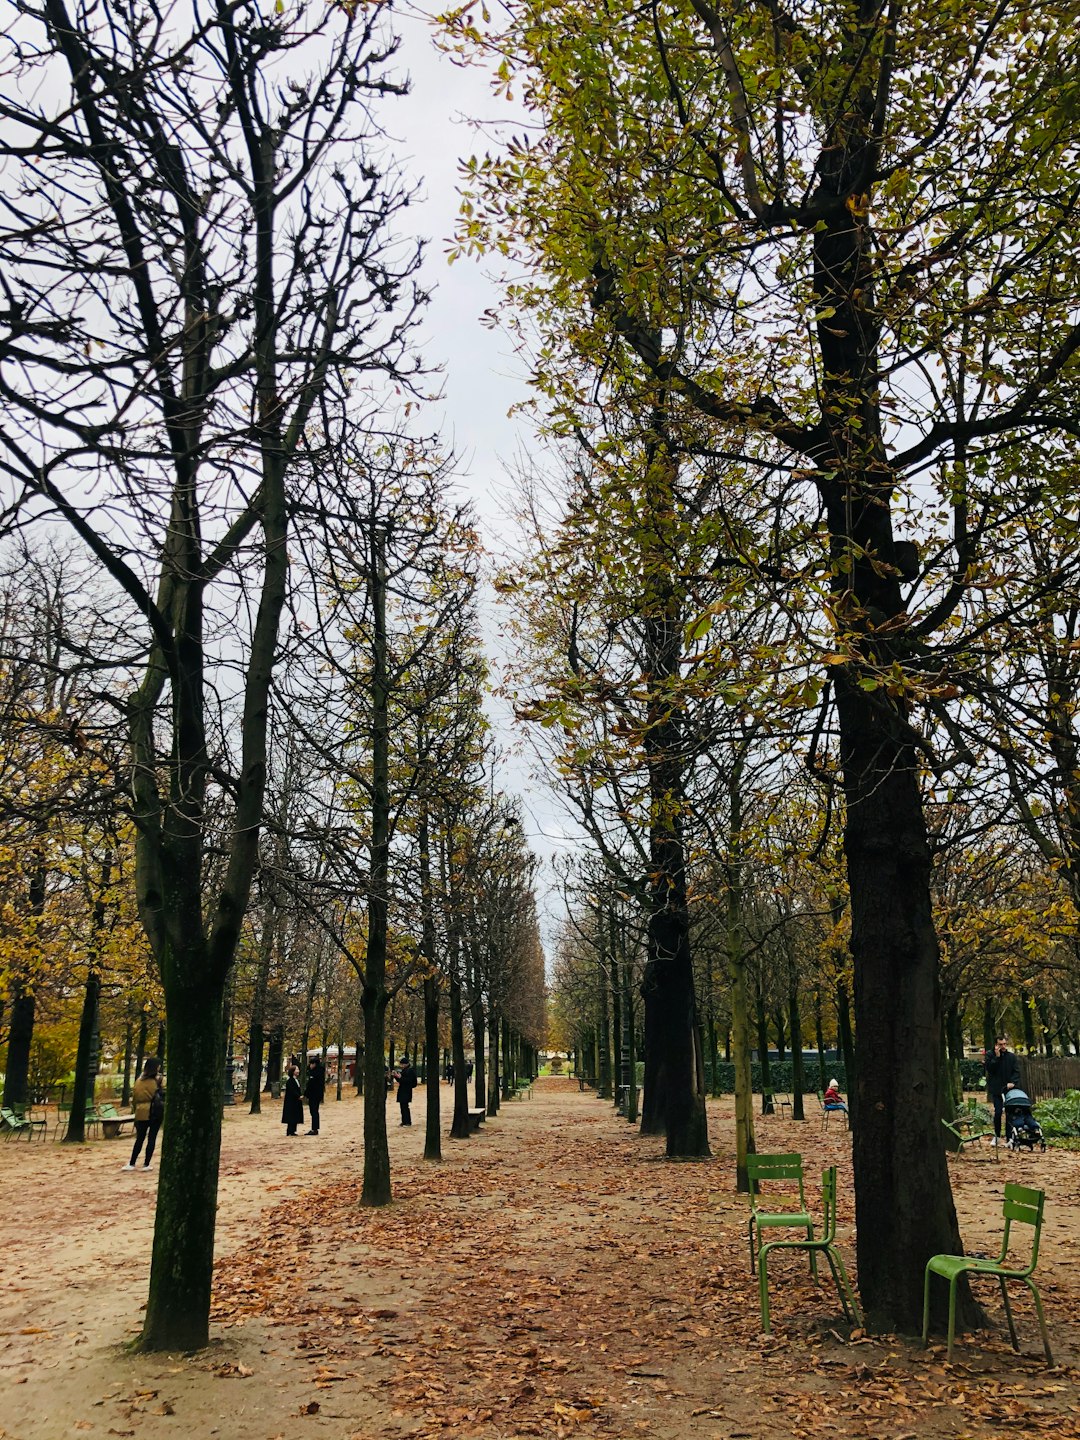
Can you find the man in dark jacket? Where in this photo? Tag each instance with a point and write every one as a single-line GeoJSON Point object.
{"type": "Point", "coordinates": [1002, 1070]}
{"type": "Point", "coordinates": [406, 1086]}
{"type": "Point", "coordinates": [314, 1091]}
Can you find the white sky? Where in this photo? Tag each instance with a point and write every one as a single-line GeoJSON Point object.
{"type": "Point", "coordinates": [482, 378]}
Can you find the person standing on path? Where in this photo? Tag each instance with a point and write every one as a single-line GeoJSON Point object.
{"type": "Point", "coordinates": [292, 1107]}
{"type": "Point", "coordinates": [315, 1091]}
{"type": "Point", "coordinates": [1002, 1071]}
{"type": "Point", "coordinates": [406, 1086]}
{"type": "Point", "coordinates": [148, 1104]}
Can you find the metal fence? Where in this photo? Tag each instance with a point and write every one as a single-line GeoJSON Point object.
{"type": "Point", "coordinates": [1044, 1078]}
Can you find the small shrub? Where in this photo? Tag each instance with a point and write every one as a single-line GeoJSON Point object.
{"type": "Point", "coordinates": [1061, 1116]}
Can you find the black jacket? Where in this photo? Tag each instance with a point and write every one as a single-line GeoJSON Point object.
{"type": "Point", "coordinates": [315, 1090]}
{"type": "Point", "coordinates": [406, 1085]}
{"type": "Point", "coordinates": [1001, 1070]}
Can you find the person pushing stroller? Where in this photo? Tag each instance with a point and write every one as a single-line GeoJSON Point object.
{"type": "Point", "coordinates": [1002, 1070]}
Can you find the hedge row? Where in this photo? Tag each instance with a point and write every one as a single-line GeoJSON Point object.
{"type": "Point", "coordinates": [780, 1075]}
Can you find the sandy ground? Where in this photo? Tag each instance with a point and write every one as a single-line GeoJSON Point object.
{"type": "Point", "coordinates": [554, 1276]}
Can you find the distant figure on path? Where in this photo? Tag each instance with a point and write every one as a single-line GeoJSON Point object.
{"type": "Point", "coordinates": [148, 1103]}
{"type": "Point", "coordinates": [406, 1086]}
{"type": "Point", "coordinates": [292, 1107]}
{"type": "Point", "coordinates": [1002, 1071]}
{"type": "Point", "coordinates": [314, 1091]}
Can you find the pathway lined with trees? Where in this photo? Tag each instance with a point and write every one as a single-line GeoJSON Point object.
{"type": "Point", "coordinates": [554, 1275]}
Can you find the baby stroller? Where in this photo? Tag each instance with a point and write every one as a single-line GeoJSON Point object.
{"type": "Point", "coordinates": [1022, 1130]}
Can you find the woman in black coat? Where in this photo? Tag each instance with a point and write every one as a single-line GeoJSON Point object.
{"type": "Point", "coordinates": [292, 1108]}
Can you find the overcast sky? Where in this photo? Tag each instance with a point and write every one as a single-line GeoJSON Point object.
{"type": "Point", "coordinates": [482, 377]}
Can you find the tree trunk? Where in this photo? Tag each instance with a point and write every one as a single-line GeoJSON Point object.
{"type": "Point", "coordinates": [82, 1092]}
{"type": "Point", "coordinates": [125, 1093]}
{"type": "Point", "coordinates": [767, 1106]}
{"type": "Point", "coordinates": [374, 996]}
{"type": "Point", "coordinates": [819, 1041]}
{"type": "Point", "coordinates": [903, 1202]}
{"type": "Point", "coordinates": [428, 948]}
{"type": "Point", "coordinates": [275, 1057]}
{"type": "Point", "coordinates": [736, 963]}
{"type": "Point", "coordinates": [654, 1098]}
{"type": "Point", "coordinates": [459, 1125]}
{"type": "Point", "coordinates": [376, 1185]}
{"type": "Point", "coordinates": [603, 1033]}
{"type": "Point", "coordinates": [178, 1305]}
{"type": "Point", "coordinates": [847, 1042]}
{"type": "Point", "coordinates": [256, 1036]}
{"type": "Point", "coordinates": [795, 1023]}
{"type": "Point", "coordinates": [20, 1038]}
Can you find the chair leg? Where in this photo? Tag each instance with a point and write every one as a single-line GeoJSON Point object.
{"type": "Point", "coordinates": [952, 1315]}
{"type": "Point", "coordinates": [750, 1234]}
{"type": "Point", "coordinates": [1042, 1318]}
{"type": "Point", "coordinates": [813, 1254]}
{"type": "Point", "coordinates": [1008, 1312]}
{"type": "Point", "coordinates": [763, 1288]}
{"type": "Point", "coordinates": [843, 1284]}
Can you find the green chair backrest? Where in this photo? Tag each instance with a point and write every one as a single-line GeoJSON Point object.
{"type": "Point", "coordinates": [774, 1167]}
{"type": "Point", "coordinates": [1023, 1206]}
{"type": "Point", "coordinates": [828, 1202]}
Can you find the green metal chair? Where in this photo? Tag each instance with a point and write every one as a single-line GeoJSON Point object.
{"type": "Point", "coordinates": [37, 1123]}
{"type": "Point", "coordinates": [826, 1245]}
{"type": "Point", "coordinates": [773, 1168]}
{"type": "Point", "coordinates": [1022, 1207]}
{"type": "Point", "coordinates": [12, 1123]}
{"type": "Point", "coordinates": [968, 1127]}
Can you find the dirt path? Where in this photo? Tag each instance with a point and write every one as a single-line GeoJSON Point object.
{"type": "Point", "coordinates": [555, 1276]}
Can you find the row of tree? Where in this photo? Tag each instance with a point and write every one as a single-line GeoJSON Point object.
{"type": "Point", "coordinates": [272, 687]}
{"type": "Point", "coordinates": [807, 355]}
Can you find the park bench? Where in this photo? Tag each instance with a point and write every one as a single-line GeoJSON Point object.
{"type": "Point", "coordinates": [523, 1090]}
{"type": "Point", "coordinates": [112, 1123]}
{"type": "Point", "coordinates": [476, 1118]}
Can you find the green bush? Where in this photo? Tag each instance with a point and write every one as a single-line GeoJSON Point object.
{"type": "Point", "coordinates": [780, 1076]}
{"type": "Point", "coordinates": [1060, 1117]}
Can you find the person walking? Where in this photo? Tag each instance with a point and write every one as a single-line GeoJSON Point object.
{"type": "Point", "coordinates": [148, 1105]}
{"type": "Point", "coordinates": [1002, 1071]}
{"type": "Point", "coordinates": [315, 1091]}
{"type": "Point", "coordinates": [292, 1107]}
{"type": "Point", "coordinates": [406, 1086]}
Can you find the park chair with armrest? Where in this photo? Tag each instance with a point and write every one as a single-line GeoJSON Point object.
{"type": "Point", "coordinates": [825, 1245]}
{"type": "Point", "coordinates": [775, 1102]}
{"type": "Point", "coordinates": [1022, 1206]}
{"type": "Point", "coordinates": [38, 1124]}
{"type": "Point", "coordinates": [776, 1168]}
{"type": "Point", "coordinates": [967, 1127]}
{"type": "Point", "coordinates": [12, 1123]}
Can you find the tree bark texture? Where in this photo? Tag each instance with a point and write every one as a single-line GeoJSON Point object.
{"type": "Point", "coordinates": [178, 1305]}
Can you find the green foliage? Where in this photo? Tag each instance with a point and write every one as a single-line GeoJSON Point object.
{"type": "Point", "coordinates": [781, 1077]}
{"type": "Point", "coordinates": [1061, 1116]}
